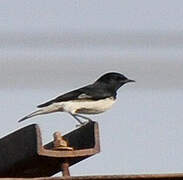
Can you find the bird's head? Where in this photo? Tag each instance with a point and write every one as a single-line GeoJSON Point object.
{"type": "Point", "coordinates": [114, 80]}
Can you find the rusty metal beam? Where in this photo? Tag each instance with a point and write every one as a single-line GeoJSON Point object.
{"type": "Point", "coordinates": [23, 155]}
{"type": "Point", "coordinates": [176, 176]}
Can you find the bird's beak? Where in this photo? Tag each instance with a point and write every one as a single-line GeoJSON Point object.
{"type": "Point", "coordinates": [130, 80]}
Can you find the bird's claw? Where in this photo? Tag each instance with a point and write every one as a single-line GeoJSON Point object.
{"type": "Point", "coordinates": [80, 125]}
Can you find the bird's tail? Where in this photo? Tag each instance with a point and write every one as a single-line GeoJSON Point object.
{"type": "Point", "coordinates": [35, 113]}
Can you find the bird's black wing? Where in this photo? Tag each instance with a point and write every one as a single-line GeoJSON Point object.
{"type": "Point", "coordinates": [90, 92]}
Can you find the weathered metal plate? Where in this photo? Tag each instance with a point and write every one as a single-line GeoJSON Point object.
{"type": "Point", "coordinates": [22, 153]}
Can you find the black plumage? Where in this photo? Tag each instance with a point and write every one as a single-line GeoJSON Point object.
{"type": "Point", "coordinates": [91, 99]}
{"type": "Point", "coordinates": [106, 86]}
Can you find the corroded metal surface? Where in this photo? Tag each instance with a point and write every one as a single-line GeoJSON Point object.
{"type": "Point", "coordinates": [23, 155]}
{"type": "Point", "coordinates": [177, 176]}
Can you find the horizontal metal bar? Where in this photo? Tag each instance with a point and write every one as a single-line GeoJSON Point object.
{"type": "Point", "coordinates": [175, 176]}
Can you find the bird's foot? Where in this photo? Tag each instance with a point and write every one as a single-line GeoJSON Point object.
{"type": "Point", "coordinates": [82, 124]}
{"type": "Point", "coordinates": [84, 117]}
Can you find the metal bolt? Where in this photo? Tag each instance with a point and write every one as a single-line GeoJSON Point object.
{"type": "Point", "coordinates": [59, 143]}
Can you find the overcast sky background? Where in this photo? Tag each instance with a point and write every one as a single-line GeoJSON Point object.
{"type": "Point", "coordinates": [50, 47]}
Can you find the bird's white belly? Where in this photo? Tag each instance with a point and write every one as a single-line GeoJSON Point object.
{"type": "Point", "coordinates": [86, 107]}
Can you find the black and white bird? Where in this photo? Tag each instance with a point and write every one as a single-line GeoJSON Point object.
{"type": "Point", "coordinates": [91, 99]}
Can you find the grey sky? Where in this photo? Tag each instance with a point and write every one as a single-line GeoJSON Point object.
{"type": "Point", "coordinates": [50, 47]}
{"type": "Point", "coordinates": [21, 73]}
{"type": "Point", "coordinates": [86, 15]}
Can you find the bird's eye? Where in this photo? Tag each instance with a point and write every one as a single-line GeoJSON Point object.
{"type": "Point", "coordinates": [118, 78]}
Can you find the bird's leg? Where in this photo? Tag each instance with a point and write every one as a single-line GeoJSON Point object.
{"type": "Point", "coordinates": [89, 120]}
{"type": "Point", "coordinates": [77, 119]}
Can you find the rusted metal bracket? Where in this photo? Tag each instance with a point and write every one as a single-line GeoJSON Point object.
{"type": "Point", "coordinates": [23, 155]}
